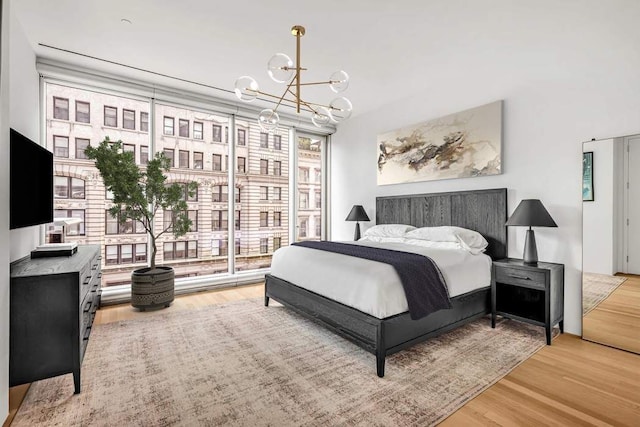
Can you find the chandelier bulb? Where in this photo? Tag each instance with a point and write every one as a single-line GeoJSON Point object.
{"type": "Point", "coordinates": [246, 88]}
{"type": "Point", "coordinates": [280, 68]}
{"type": "Point", "coordinates": [340, 109]}
{"type": "Point", "coordinates": [339, 81]}
{"type": "Point", "coordinates": [268, 120]}
{"type": "Point", "coordinates": [320, 117]}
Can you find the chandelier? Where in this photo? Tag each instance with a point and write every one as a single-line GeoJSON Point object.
{"type": "Point", "coordinates": [281, 69]}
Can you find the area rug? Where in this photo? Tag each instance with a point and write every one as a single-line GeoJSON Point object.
{"type": "Point", "coordinates": [244, 364]}
{"type": "Point", "coordinates": [596, 288]}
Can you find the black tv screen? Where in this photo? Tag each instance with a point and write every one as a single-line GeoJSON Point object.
{"type": "Point", "coordinates": [31, 183]}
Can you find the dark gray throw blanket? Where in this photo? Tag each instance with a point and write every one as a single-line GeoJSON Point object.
{"type": "Point", "coordinates": [421, 278]}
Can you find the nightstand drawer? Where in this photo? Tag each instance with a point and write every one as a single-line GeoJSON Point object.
{"type": "Point", "coordinates": [517, 276]}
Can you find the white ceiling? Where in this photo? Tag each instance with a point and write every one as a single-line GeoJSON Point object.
{"type": "Point", "coordinates": [391, 49]}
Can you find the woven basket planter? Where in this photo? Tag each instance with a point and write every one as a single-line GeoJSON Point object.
{"type": "Point", "coordinates": [152, 288]}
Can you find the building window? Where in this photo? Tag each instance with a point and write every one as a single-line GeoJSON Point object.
{"type": "Point", "coordinates": [277, 243]}
{"type": "Point", "coordinates": [318, 197]}
{"type": "Point", "coordinates": [130, 148]}
{"type": "Point", "coordinates": [110, 116]}
{"type": "Point", "coordinates": [66, 187]}
{"type": "Point", "coordinates": [60, 146]}
{"type": "Point", "coordinates": [264, 167]}
{"type": "Point", "coordinates": [167, 128]}
{"type": "Point", "coordinates": [226, 134]}
{"type": "Point", "coordinates": [126, 254]}
{"type": "Point", "coordinates": [169, 218]}
{"type": "Point", "coordinates": [170, 154]}
{"type": "Point", "coordinates": [304, 200]}
{"type": "Point", "coordinates": [317, 175]}
{"type": "Point", "coordinates": [183, 158]}
{"type": "Point", "coordinates": [237, 193]}
{"type": "Point", "coordinates": [264, 193]}
{"type": "Point", "coordinates": [242, 134]}
{"type": "Point", "coordinates": [264, 219]}
{"type": "Point", "coordinates": [303, 174]}
{"type": "Point", "coordinates": [197, 130]}
{"type": "Point", "coordinates": [237, 246]}
{"type": "Point", "coordinates": [113, 225]}
{"type": "Point", "coordinates": [75, 229]}
{"type": "Point", "coordinates": [216, 162]}
{"type": "Point", "coordinates": [185, 193]}
{"type": "Point", "coordinates": [128, 119]}
{"type": "Point", "coordinates": [242, 164]}
{"type": "Point", "coordinates": [60, 108]}
{"type": "Point", "coordinates": [237, 220]}
{"type": "Point", "coordinates": [180, 250]}
{"type": "Point", "coordinates": [144, 122]}
{"type": "Point", "coordinates": [219, 220]}
{"type": "Point", "coordinates": [277, 168]}
{"type": "Point", "coordinates": [83, 114]}
{"type": "Point", "coordinates": [217, 133]}
{"type": "Point", "coordinates": [304, 223]}
{"type": "Point", "coordinates": [318, 226]}
{"type": "Point", "coordinates": [220, 193]}
{"type": "Point", "coordinates": [277, 142]}
{"type": "Point", "coordinates": [144, 154]}
{"type": "Point", "coordinates": [264, 140]}
{"type": "Point", "coordinates": [183, 128]}
{"type": "Point", "coordinates": [277, 193]}
{"type": "Point", "coordinates": [277, 219]}
{"type": "Point", "coordinates": [198, 160]}
{"type": "Point", "coordinates": [81, 145]}
{"type": "Point", "coordinates": [264, 245]}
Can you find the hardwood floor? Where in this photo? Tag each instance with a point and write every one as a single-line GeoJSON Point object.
{"type": "Point", "coordinates": [572, 382]}
{"type": "Point", "coordinates": [616, 320]}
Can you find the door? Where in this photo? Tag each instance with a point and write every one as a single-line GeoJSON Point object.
{"type": "Point", "coordinates": [632, 203]}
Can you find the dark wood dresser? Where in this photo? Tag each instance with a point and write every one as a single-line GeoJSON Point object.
{"type": "Point", "coordinates": [53, 304]}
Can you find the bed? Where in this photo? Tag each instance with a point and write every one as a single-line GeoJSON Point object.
{"type": "Point", "coordinates": [383, 333]}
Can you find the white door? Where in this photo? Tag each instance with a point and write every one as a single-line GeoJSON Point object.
{"type": "Point", "coordinates": [632, 202]}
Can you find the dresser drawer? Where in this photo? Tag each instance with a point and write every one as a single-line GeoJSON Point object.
{"type": "Point", "coordinates": [517, 276]}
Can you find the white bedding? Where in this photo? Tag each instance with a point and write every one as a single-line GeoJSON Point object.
{"type": "Point", "coordinates": [374, 287]}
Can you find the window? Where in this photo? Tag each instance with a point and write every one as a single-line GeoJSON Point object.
{"type": "Point", "coordinates": [113, 225]}
{"type": "Point", "coordinates": [237, 220]}
{"type": "Point", "coordinates": [144, 154]}
{"type": "Point", "coordinates": [197, 130]}
{"type": "Point", "coordinates": [183, 157]}
{"type": "Point", "coordinates": [277, 193]}
{"type": "Point", "coordinates": [318, 226]}
{"type": "Point", "coordinates": [130, 148]}
{"type": "Point", "coordinates": [217, 133]}
{"type": "Point", "coordinates": [242, 164]}
{"type": "Point", "coordinates": [237, 246]}
{"type": "Point", "coordinates": [219, 220]}
{"type": "Point", "coordinates": [183, 128]}
{"type": "Point", "coordinates": [220, 193]}
{"type": "Point", "coordinates": [226, 134]}
{"type": "Point", "coordinates": [66, 187]}
{"type": "Point", "coordinates": [264, 219]}
{"type": "Point", "coordinates": [128, 119]}
{"type": "Point", "coordinates": [110, 116]}
{"type": "Point", "coordinates": [303, 174]}
{"type": "Point", "coordinates": [277, 142]}
{"type": "Point", "coordinates": [169, 218]}
{"type": "Point", "coordinates": [216, 162]}
{"type": "Point", "coordinates": [74, 229]}
{"type": "Point", "coordinates": [197, 160]}
{"type": "Point", "coordinates": [83, 112]}
{"type": "Point", "coordinates": [264, 140]}
{"type": "Point", "coordinates": [60, 108]}
{"type": "Point", "coordinates": [277, 219]}
{"type": "Point", "coordinates": [60, 146]}
{"type": "Point", "coordinates": [169, 154]}
{"type": "Point", "coordinates": [167, 125]}
{"type": "Point", "coordinates": [317, 176]}
{"type": "Point", "coordinates": [237, 193]}
{"type": "Point", "coordinates": [264, 167]}
{"type": "Point", "coordinates": [126, 253]}
{"type": "Point", "coordinates": [277, 243]}
{"type": "Point", "coordinates": [185, 193]}
{"type": "Point", "coordinates": [264, 193]}
{"type": "Point", "coordinates": [277, 168]}
{"type": "Point", "coordinates": [144, 122]}
{"type": "Point", "coordinates": [264, 245]}
{"type": "Point", "coordinates": [304, 223]}
{"type": "Point", "coordinates": [81, 145]}
{"type": "Point", "coordinates": [180, 250]}
{"type": "Point", "coordinates": [304, 200]}
{"type": "Point", "coordinates": [318, 197]}
{"type": "Point", "coordinates": [242, 137]}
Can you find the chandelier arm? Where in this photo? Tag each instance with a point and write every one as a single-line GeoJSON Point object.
{"type": "Point", "coordinates": [319, 83]}
{"type": "Point", "coordinates": [309, 105]}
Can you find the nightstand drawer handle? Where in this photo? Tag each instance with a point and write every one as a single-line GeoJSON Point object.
{"type": "Point", "coordinates": [519, 277]}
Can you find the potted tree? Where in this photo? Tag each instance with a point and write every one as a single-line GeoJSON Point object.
{"type": "Point", "coordinates": [139, 195]}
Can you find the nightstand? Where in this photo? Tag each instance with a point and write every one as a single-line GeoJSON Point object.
{"type": "Point", "coordinates": [529, 293]}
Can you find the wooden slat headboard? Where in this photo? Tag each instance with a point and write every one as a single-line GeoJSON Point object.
{"type": "Point", "coordinates": [484, 211]}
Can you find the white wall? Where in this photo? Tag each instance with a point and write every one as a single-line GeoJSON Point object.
{"type": "Point", "coordinates": [567, 72]}
{"type": "Point", "coordinates": [598, 216]}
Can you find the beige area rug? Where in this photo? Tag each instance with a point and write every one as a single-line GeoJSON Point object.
{"type": "Point", "coordinates": [248, 365]}
{"type": "Point", "coordinates": [596, 288]}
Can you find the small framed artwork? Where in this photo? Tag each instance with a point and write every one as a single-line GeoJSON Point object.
{"type": "Point", "coordinates": [587, 177]}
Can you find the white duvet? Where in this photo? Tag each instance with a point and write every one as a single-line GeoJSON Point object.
{"type": "Point", "coordinates": [374, 287]}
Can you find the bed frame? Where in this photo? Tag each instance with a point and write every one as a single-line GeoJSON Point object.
{"type": "Point", "coordinates": [482, 210]}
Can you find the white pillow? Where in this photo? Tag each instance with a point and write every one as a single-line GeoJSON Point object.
{"type": "Point", "coordinates": [432, 234]}
{"type": "Point", "coordinates": [388, 230]}
{"type": "Point", "coordinates": [469, 240]}
{"type": "Point", "coordinates": [435, 245]}
{"type": "Point", "coordinates": [383, 239]}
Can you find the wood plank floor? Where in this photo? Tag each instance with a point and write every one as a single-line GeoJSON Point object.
{"type": "Point", "coordinates": [616, 320]}
{"type": "Point", "coordinates": [572, 382]}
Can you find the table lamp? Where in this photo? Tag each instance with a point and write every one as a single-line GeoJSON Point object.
{"type": "Point", "coordinates": [357, 214]}
{"type": "Point", "coordinates": [531, 213]}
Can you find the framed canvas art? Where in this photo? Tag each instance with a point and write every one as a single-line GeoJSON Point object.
{"type": "Point", "coordinates": [587, 177]}
{"type": "Point", "coordinates": [460, 145]}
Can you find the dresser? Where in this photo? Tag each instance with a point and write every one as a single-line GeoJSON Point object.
{"type": "Point", "coordinates": [53, 304]}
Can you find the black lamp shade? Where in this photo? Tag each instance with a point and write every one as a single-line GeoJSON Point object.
{"type": "Point", "coordinates": [357, 214]}
{"type": "Point", "coordinates": [531, 213]}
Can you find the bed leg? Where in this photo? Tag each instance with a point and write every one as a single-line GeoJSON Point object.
{"type": "Point", "coordinates": [381, 350]}
{"type": "Point", "coordinates": [380, 365]}
{"type": "Point", "coordinates": [266, 301]}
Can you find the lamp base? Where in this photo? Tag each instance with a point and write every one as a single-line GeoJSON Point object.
{"type": "Point", "coordinates": [530, 250]}
{"type": "Point", "coordinates": [356, 236]}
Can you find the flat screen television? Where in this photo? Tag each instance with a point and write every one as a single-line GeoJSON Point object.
{"type": "Point", "coordinates": [31, 182]}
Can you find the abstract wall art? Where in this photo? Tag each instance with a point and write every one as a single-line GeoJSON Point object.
{"type": "Point", "coordinates": [460, 145]}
